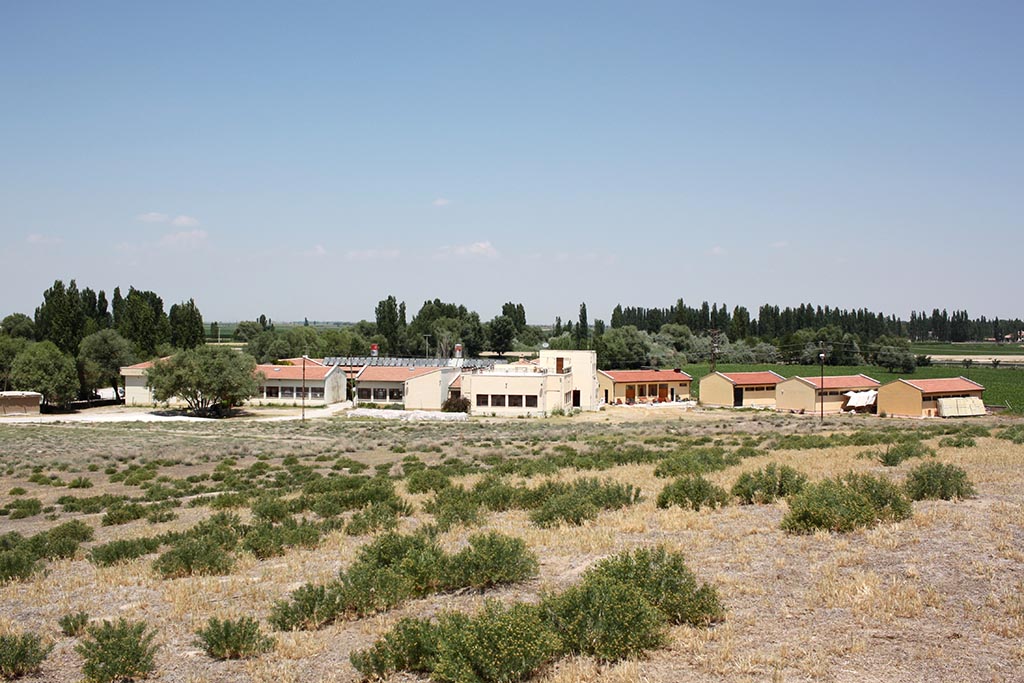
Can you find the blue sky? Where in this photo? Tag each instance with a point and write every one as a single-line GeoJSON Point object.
{"type": "Point", "coordinates": [306, 162]}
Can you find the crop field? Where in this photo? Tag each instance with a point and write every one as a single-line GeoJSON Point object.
{"type": "Point", "coordinates": [631, 544]}
{"type": "Point", "coordinates": [967, 349]}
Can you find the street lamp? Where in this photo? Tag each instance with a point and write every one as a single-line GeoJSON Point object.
{"type": "Point", "coordinates": [821, 387]}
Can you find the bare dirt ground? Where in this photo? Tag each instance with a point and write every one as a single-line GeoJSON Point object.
{"type": "Point", "coordinates": [939, 597]}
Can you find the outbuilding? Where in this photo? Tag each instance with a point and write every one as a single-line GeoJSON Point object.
{"type": "Point", "coordinates": [20, 402]}
{"type": "Point", "coordinates": [739, 389]}
{"type": "Point", "coordinates": [941, 397]}
{"type": "Point", "coordinates": [284, 384]}
{"type": "Point", "coordinates": [643, 386]}
{"type": "Point", "coordinates": [813, 394]}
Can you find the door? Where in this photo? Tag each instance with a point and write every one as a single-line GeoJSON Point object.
{"type": "Point", "coordinates": [606, 396]}
{"type": "Point", "coordinates": [662, 392]}
{"type": "Point", "coordinates": [575, 398]}
{"type": "Point", "coordinates": [630, 393]}
{"type": "Point", "coordinates": [737, 396]}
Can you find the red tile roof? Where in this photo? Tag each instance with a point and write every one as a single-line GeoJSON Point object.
{"type": "Point", "coordinates": [298, 361]}
{"type": "Point", "coordinates": [944, 385]}
{"type": "Point", "coordinates": [746, 379]}
{"type": "Point", "coordinates": [457, 382]}
{"type": "Point", "coordinates": [843, 382]}
{"type": "Point", "coordinates": [376, 373]}
{"type": "Point", "coordinates": [647, 376]}
{"type": "Point", "coordinates": [294, 372]}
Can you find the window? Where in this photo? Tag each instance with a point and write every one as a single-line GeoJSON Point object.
{"type": "Point", "coordinates": [531, 401]}
{"type": "Point", "coordinates": [498, 400]}
{"type": "Point", "coordinates": [394, 394]}
{"type": "Point", "coordinates": [515, 401]}
{"type": "Point", "coordinates": [481, 400]}
{"type": "Point", "coordinates": [363, 394]}
{"type": "Point", "coordinates": [316, 392]}
{"type": "Point", "coordinates": [380, 394]}
{"type": "Point", "coordinates": [287, 392]}
{"type": "Point", "coordinates": [643, 390]}
{"type": "Point", "coordinates": [273, 392]}
{"type": "Point", "coordinates": [652, 389]}
{"type": "Point", "coordinates": [299, 392]}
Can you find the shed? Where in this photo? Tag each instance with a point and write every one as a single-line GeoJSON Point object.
{"type": "Point", "coordinates": [926, 397]}
{"type": "Point", "coordinates": [739, 389]}
{"type": "Point", "coordinates": [811, 394]}
{"type": "Point", "coordinates": [643, 386]}
{"type": "Point", "coordinates": [20, 402]}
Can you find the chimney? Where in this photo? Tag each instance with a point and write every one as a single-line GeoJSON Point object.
{"type": "Point", "coordinates": [458, 350]}
{"type": "Point", "coordinates": [374, 348]}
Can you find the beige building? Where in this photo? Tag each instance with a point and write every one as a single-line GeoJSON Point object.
{"type": "Point", "coordinates": [931, 397]}
{"type": "Point", "coordinates": [557, 380]}
{"type": "Point", "coordinates": [20, 402]}
{"type": "Point", "coordinates": [416, 388]}
{"type": "Point", "coordinates": [810, 395]}
{"type": "Point", "coordinates": [136, 393]}
{"type": "Point", "coordinates": [739, 389]}
{"type": "Point", "coordinates": [643, 386]}
{"type": "Point", "coordinates": [284, 384]}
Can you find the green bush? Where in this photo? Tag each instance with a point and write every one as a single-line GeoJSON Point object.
{"type": "Point", "coordinates": [696, 461]}
{"type": "Point", "coordinates": [958, 441]}
{"type": "Point", "coordinates": [568, 508]}
{"type": "Point", "coordinates": [17, 564]}
{"type": "Point", "coordinates": [768, 484]}
{"type": "Point", "coordinates": [935, 480]}
{"type": "Point", "coordinates": [455, 404]}
{"type": "Point", "coordinates": [119, 650]}
{"type": "Point", "coordinates": [373, 518]}
{"type": "Point", "coordinates": [1014, 434]}
{"type": "Point", "coordinates": [425, 480]}
{"type": "Point", "coordinates": [495, 494]}
{"type": "Point", "coordinates": [844, 504]}
{"type": "Point", "coordinates": [22, 654]}
{"type": "Point", "coordinates": [606, 619]}
{"type": "Point", "coordinates": [74, 624]}
{"type": "Point", "coordinates": [665, 582]}
{"type": "Point", "coordinates": [236, 639]}
{"type": "Point", "coordinates": [60, 541]}
{"type": "Point", "coordinates": [491, 559]}
{"type": "Point", "coordinates": [25, 507]}
{"type": "Point", "coordinates": [693, 492]}
{"type": "Point", "coordinates": [894, 454]}
{"type": "Point", "coordinates": [122, 513]}
{"type": "Point", "coordinates": [194, 556]}
{"type": "Point", "coordinates": [454, 506]}
{"type": "Point", "coordinates": [497, 645]}
{"type": "Point", "coordinates": [273, 510]}
{"type": "Point", "coordinates": [411, 645]}
{"type": "Point", "coordinates": [80, 483]}
{"type": "Point", "coordinates": [309, 607]}
{"type": "Point", "coordinates": [123, 550]}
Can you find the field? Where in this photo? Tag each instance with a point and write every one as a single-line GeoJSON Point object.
{"type": "Point", "coordinates": [966, 349]}
{"type": "Point", "coordinates": [936, 597]}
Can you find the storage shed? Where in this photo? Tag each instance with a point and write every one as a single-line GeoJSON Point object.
{"type": "Point", "coordinates": [806, 394]}
{"type": "Point", "coordinates": [643, 386]}
{"type": "Point", "coordinates": [739, 389]}
{"type": "Point", "coordinates": [930, 397]}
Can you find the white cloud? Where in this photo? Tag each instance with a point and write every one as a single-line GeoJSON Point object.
{"type": "Point", "coordinates": [186, 239]}
{"type": "Point", "coordinates": [36, 238]}
{"type": "Point", "coordinates": [441, 202]}
{"type": "Point", "coordinates": [372, 254]}
{"type": "Point", "coordinates": [185, 221]}
{"type": "Point", "coordinates": [718, 251]}
{"type": "Point", "coordinates": [153, 217]}
{"type": "Point", "coordinates": [782, 244]}
{"type": "Point", "coordinates": [474, 250]}
{"type": "Point", "coordinates": [319, 250]}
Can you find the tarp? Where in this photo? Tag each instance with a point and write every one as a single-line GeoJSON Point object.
{"type": "Point", "coordinates": [861, 399]}
{"type": "Point", "coordinates": [961, 407]}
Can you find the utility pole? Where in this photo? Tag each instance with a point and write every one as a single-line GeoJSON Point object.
{"type": "Point", "coordinates": [426, 346]}
{"type": "Point", "coordinates": [821, 387]}
{"type": "Point", "coordinates": [303, 387]}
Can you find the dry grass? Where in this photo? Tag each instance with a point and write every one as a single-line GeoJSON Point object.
{"type": "Point", "coordinates": [937, 597]}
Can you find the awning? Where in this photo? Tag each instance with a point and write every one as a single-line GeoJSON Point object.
{"type": "Point", "coordinates": [861, 399]}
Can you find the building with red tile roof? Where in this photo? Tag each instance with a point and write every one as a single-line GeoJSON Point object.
{"type": "Point", "coordinates": [811, 394]}
{"type": "Point", "coordinates": [643, 386]}
{"type": "Point", "coordinates": [739, 389]}
{"type": "Point", "coordinates": [931, 397]}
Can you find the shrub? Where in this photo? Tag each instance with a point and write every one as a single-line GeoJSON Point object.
{"type": "Point", "coordinates": [116, 552]}
{"type": "Point", "coordinates": [80, 483]}
{"type": "Point", "coordinates": [117, 650]}
{"type": "Point", "coordinates": [844, 504]}
{"type": "Point", "coordinates": [768, 484]}
{"type": "Point", "coordinates": [452, 506]}
{"type": "Point", "coordinates": [25, 507]}
{"type": "Point", "coordinates": [498, 644]}
{"type": "Point", "coordinates": [894, 454]}
{"type": "Point", "coordinates": [495, 494]}
{"type": "Point", "coordinates": [958, 441]}
{"type": "Point", "coordinates": [665, 581]}
{"type": "Point", "coordinates": [229, 639]}
{"type": "Point", "coordinates": [60, 541]}
{"type": "Point", "coordinates": [374, 517]}
{"type": "Point", "coordinates": [308, 608]}
{"type": "Point", "coordinates": [122, 513]}
{"type": "Point", "coordinates": [491, 559]}
{"type": "Point", "coordinates": [22, 654]}
{"type": "Point", "coordinates": [272, 510]}
{"type": "Point", "coordinates": [411, 645]}
{"type": "Point", "coordinates": [570, 508]}
{"type": "Point", "coordinates": [606, 619]}
{"type": "Point", "coordinates": [431, 479]}
{"type": "Point", "coordinates": [194, 556]}
{"type": "Point", "coordinates": [1014, 434]}
{"type": "Point", "coordinates": [17, 564]}
{"type": "Point", "coordinates": [74, 624]}
{"type": "Point", "coordinates": [695, 461]}
{"type": "Point", "coordinates": [692, 492]}
{"type": "Point", "coordinates": [935, 480]}
{"type": "Point", "coordinates": [455, 404]}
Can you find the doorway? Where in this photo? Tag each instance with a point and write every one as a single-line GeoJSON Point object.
{"type": "Point", "coordinates": [737, 397]}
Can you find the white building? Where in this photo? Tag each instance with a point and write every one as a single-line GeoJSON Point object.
{"type": "Point", "coordinates": [558, 380]}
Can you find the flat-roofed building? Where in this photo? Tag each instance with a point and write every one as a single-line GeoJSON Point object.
{"type": "Point", "coordinates": [412, 387]}
{"type": "Point", "coordinates": [810, 394]}
{"type": "Point", "coordinates": [940, 397]}
{"type": "Point", "coordinates": [739, 389]}
{"type": "Point", "coordinates": [643, 386]}
{"type": "Point", "coordinates": [557, 380]}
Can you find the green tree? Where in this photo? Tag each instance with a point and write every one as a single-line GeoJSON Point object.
{"type": "Point", "coordinates": [624, 347]}
{"type": "Point", "coordinates": [247, 330]}
{"type": "Point", "coordinates": [44, 368]}
{"type": "Point", "coordinates": [61, 318]}
{"type": "Point", "coordinates": [501, 333]}
{"type": "Point", "coordinates": [186, 323]}
{"type": "Point", "coordinates": [893, 353]}
{"type": "Point", "coordinates": [390, 323]}
{"type": "Point", "coordinates": [209, 379]}
{"type": "Point", "coordinates": [18, 325]}
{"type": "Point", "coordinates": [447, 332]}
{"type": "Point", "coordinates": [102, 355]}
{"type": "Point", "coordinates": [583, 329]}
{"type": "Point", "coordinates": [10, 347]}
{"type": "Point", "coordinates": [142, 321]}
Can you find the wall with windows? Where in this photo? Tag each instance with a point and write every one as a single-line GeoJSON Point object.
{"type": "Point", "coordinates": [581, 367]}
{"type": "Point", "coordinates": [428, 392]}
{"type": "Point", "coordinates": [380, 392]}
{"type": "Point", "coordinates": [511, 394]}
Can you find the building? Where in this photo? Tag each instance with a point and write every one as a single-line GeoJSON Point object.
{"type": "Point", "coordinates": [284, 384]}
{"type": "Point", "coordinates": [416, 388]}
{"type": "Point", "coordinates": [810, 395]}
{"type": "Point", "coordinates": [643, 386]}
{"type": "Point", "coordinates": [556, 381]}
{"type": "Point", "coordinates": [739, 389]}
{"type": "Point", "coordinates": [945, 397]}
{"type": "Point", "coordinates": [136, 393]}
{"type": "Point", "coordinates": [20, 402]}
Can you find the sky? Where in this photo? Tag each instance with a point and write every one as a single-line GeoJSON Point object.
{"type": "Point", "coordinates": [305, 160]}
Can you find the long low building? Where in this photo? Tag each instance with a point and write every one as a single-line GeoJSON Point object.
{"type": "Point", "coordinates": [813, 394]}
{"type": "Point", "coordinates": [941, 397]}
{"type": "Point", "coordinates": [414, 388]}
{"type": "Point", "coordinates": [739, 389]}
{"type": "Point", "coordinates": [643, 386]}
{"type": "Point", "coordinates": [557, 381]}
